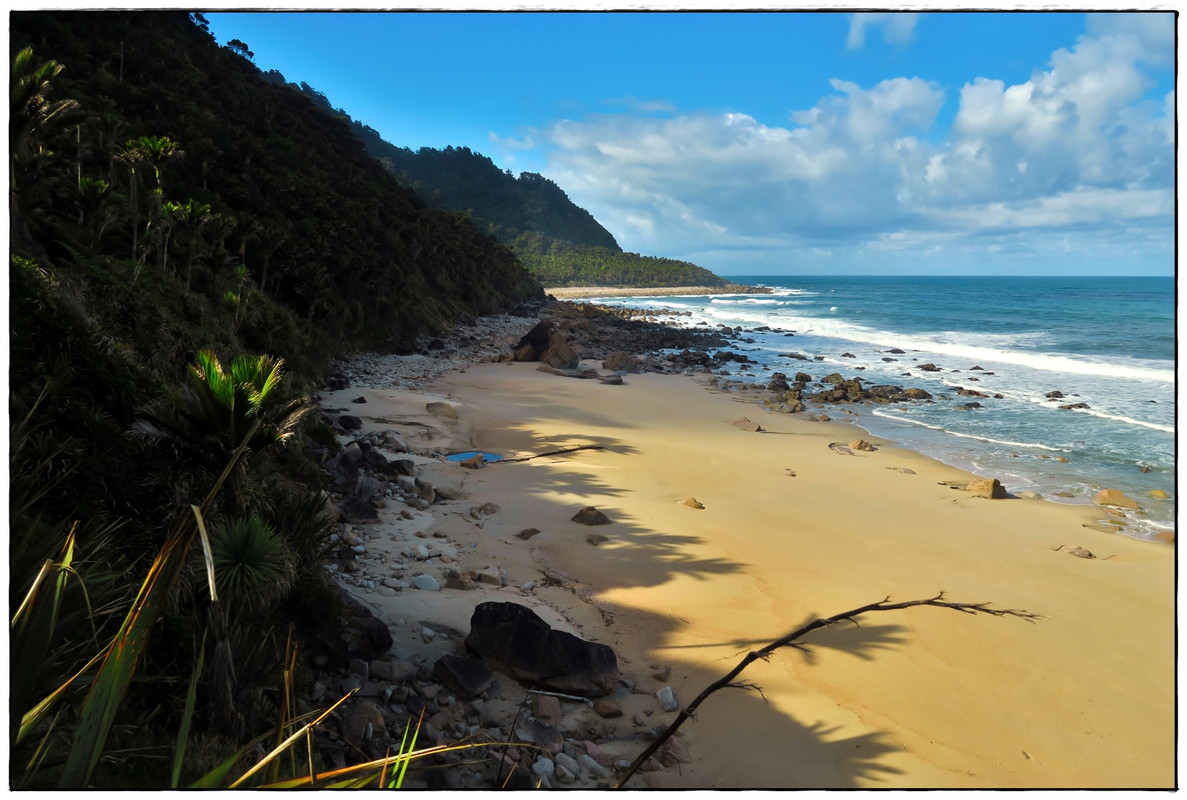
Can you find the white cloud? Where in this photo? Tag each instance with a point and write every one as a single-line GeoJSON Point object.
{"type": "Point", "coordinates": [897, 27]}
{"type": "Point", "coordinates": [1074, 147]}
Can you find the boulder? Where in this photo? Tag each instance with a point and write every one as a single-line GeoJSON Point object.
{"type": "Point", "coordinates": [862, 444]}
{"type": "Point", "coordinates": [513, 638]}
{"type": "Point", "coordinates": [1074, 406]}
{"type": "Point", "coordinates": [358, 511]}
{"type": "Point", "coordinates": [1115, 498]}
{"type": "Point", "coordinates": [462, 676]}
{"type": "Point", "coordinates": [591, 516]}
{"type": "Point", "coordinates": [746, 425]}
{"type": "Point", "coordinates": [560, 354]}
{"type": "Point", "coordinates": [535, 341]}
{"type": "Point", "coordinates": [833, 378]}
{"type": "Point", "coordinates": [441, 410]}
{"type": "Point", "coordinates": [929, 368]}
{"type": "Point", "coordinates": [622, 361]}
{"type": "Point", "coordinates": [348, 422]}
{"type": "Point", "coordinates": [986, 487]}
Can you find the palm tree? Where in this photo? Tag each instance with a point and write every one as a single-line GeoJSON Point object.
{"type": "Point", "coordinates": [215, 413]}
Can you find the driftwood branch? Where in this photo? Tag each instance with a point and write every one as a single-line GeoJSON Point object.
{"type": "Point", "coordinates": [730, 679]}
{"type": "Point", "coordinates": [551, 453]}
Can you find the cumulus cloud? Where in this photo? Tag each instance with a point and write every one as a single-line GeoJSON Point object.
{"type": "Point", "coordinates": [1074, 148]}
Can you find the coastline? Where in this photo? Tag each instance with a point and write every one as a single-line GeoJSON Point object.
{"type": "Point", "coordinates": [919, 698]}
{"type": "Point", "coordinates": [585, 292]}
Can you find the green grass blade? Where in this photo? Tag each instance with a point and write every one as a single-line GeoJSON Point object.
{"type": "Point", "coordinates": [289, 741]}
{"type": "Point", "coordinates": [123, 655]}
{"type": "Point", "coordinates": [187, 716]}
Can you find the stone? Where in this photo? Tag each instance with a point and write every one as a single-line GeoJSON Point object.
{"type": "Point", "coordinates": [1074, 406]}
{"type": "Point", "coordinates": [515, 639]}
{"type": "Point", "coordinates": [547, 708]}
{"type": "Point", "coordinates": [392, 671]}
{"type": "Point", "coordinates": [560, 354]}
{"type": "Point", "coordinates": [675, 751]}
{"type": "Point", "coordinates": [929, 368]}
{"type": "Point", "coordinates": [441, 410]}
{"type": "Point", "coordinates": [527, 533]}
{"type": "Point", "coordinates": [986, 487]}
{"type": "Point", "coordinates": [746, 425]}
{"type": "Point", "coordinates": [362, 722]}
{"type": "Point", "coordinates": [544, 766]}
{"type": "Point", "coordinates": [607, 709]}
{"type": "Point", "coordinates": [862, 444]}
{"type": "Point", "coordinates": [588, 764]}
{"type": "Point", "coordinates": [622, 361]}
{"type": "Point", "coordinates": [591, 516]}
{"type": "Point", "coordinates": [533, 731]}
{"type": "Point", "coordinates": [596, 539]}
{"type": "Point", "coordinates": [566, 761]}
{"type": "Point", "coordinates": [349, 423]}
{"type": "Point", "coordinates": [667, 699]}
{"type": "Point", "coordinates": [462, 676]}
{"type": "Point", "coordinates": [426, 583]}
{"type": "Point", "coordinates": [359, 667]}
{"type": "Point", "coordinates": [357, 511]}
{"type": "Point", "coordinates": [1115, 498]}
{"type": "Point", "coordinates": [1158, 494]}
{"type": "Point", "coordinates": [692, 502]}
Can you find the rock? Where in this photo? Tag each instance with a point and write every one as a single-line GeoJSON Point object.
{"type": "Point", "coordinates": [591, 766]}
{"type": "Point", "coordinates": [463, 677]}
{"type": "Point", "coordinates": [426, 583]}
{"type": "Point", "coordinates": [622, 361]}
{"type": "Point", "coordinates": [692, 502]}
{"type": "Point", "coordinates": [675, 751]}
{"type": "Point", "coordinates": [560, 354]}
{"type": "Point", "coordinates": [862, 444]}
{"type": "Point", "coordinates": [667, 699]}
{"type": "Point", "coordinates": [544, 767]}
{"type": "Point", "coordinates": [1055, 395]}
{"type": "Point", "coordinates": [474, 462]}
{"type": "Point", "coordinates": [607, 709]}
{"type": "Point", "coordinates": [357, 511]}
{"type": "Point", "coordinates": [392, 671]}
{"type": "Point", "coordinates": [1158, 494]}
{"type": "Point", "coordinates": [929, 368]}
{"type": "Point", "coordinates": [349, 423]}
{"type": "Point", "coordinates": [848, 355]}
{"type": "Point", "coordinates": [1115, 498]}
{"type": "Point", "coordinates": [527, 533]}
{"type": "Point", "coordinates": [536, 339]}
{"type": "Point", "coordinates": [896, 351]}
{"type": "Point", "coordinates": [547, 708]}
{"type": "Point", "coordinates": [591, 516]}
{"type": "Point", "coordinates": [565, 761]}
{"type": "Point", "coordinates": [746, 425]}
{"type": "Point", "coordinates": [1074, 406]}
{"type": "Point", "coordinates": [1030, 495]}
{"type": "Point", "coordinates": [362, 722]}
{"type": "Point", "coordinates": [513, 638]}
{"type": "Point", "coordinates": [441, 410]}
{"type": "Point", "coordinates": [833, 378]}
{"type": "Point", "coordinates": [539, 733]}
{"type": "Point", "coordinates": [596, 539]}
{"type": "Point", "coordinates": [986, 487]}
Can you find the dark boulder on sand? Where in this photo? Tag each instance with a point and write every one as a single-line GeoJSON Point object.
{"type": "Point", "coordinates": [514, 639]}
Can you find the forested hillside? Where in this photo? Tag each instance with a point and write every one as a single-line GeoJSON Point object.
{"type": "Point", "coordinates": [179, 224]}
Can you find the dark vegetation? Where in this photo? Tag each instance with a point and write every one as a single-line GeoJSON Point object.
{"type": "Point", "coordinates": [173, 215]}
{"type": "Point", "coordinates": [559, 242]}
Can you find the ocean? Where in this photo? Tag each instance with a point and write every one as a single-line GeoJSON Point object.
{"type": "Point", "coordinates": [1106, 342]}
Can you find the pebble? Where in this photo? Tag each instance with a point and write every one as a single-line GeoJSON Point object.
{"type": "Point", "coordinates": [667, 699]}
{"type": "Point", "coordinates": [426, 582]}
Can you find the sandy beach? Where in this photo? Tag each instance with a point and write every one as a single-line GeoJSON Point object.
{"type": "Point", "coordinates": [792, 529]}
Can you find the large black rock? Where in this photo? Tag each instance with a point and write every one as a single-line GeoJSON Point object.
{"type": "Point", "coordinates": [514, 639]}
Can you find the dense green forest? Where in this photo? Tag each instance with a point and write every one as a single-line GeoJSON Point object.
{"type": "Point", "coordinates": [191, 246]}
{"type": "Point", "coordinates": [559, 242]}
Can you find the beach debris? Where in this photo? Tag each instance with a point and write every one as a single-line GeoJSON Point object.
{"type": "Point", "coordinates": [692, 502]}
{"type": "Point", "coordinates": [591, 516]}
{"type": "Point", "coordinates": [990, 488]}
{"type": "Point", "coordinates": [862, 444]}
{"type": "Point", "coordinates": [840, 449]}
{"type": "Point", "coordinates": [596, 539]}
{"type": "Point", "coordinates": [1115, 498]}
{"type": "Point", "coordinates": [513, 638]}
{"type": "Point", "coordinates": [746, 425]}
{"type": "Point", "coordinates": [1080, 552]}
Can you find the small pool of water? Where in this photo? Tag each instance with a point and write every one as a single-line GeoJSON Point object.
{"type": "Point", "coordinates": [466, 456]}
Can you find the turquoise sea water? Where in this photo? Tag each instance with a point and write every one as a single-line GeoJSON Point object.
{"type": "Point", "coordinates": [1107, 342]}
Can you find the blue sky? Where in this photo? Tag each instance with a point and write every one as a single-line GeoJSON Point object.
{"type": "Point", "coordinates": [787, 142]}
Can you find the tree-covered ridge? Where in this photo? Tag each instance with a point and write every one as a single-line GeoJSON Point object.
{"type": "Point", "coordinates": [559, 263]}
